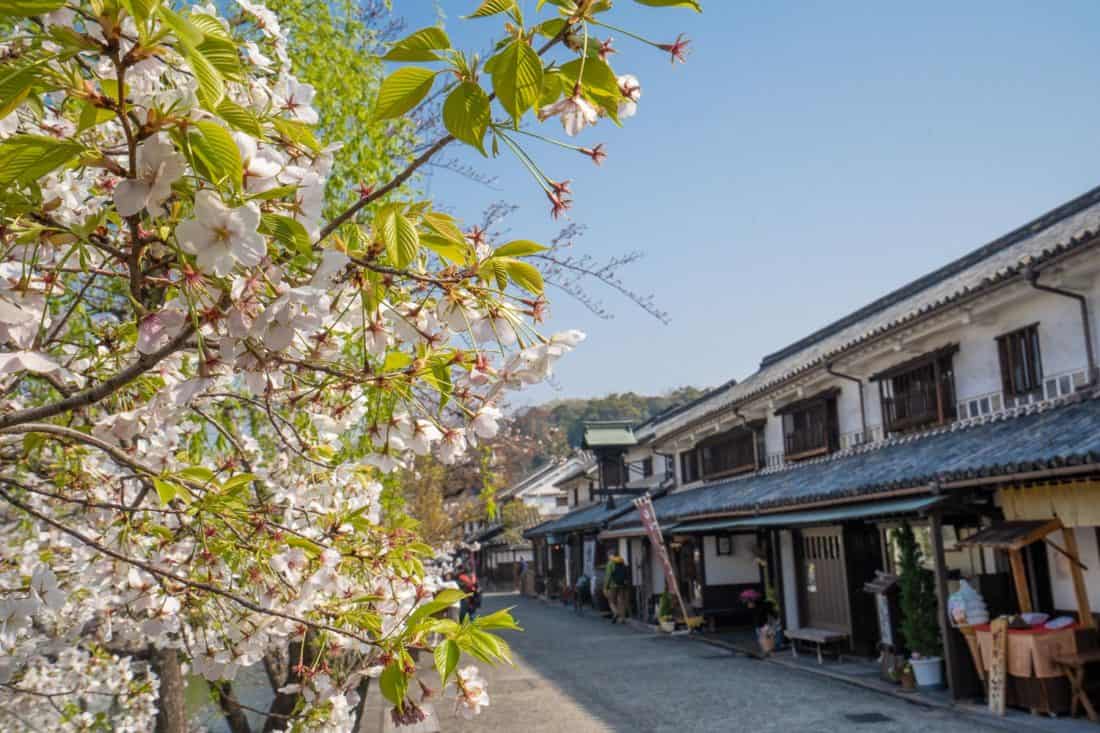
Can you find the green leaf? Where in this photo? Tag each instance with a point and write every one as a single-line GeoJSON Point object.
{"type": "Point", "coordinates": [693, 4]}
{"type": "Point", "coordinates": [447, 249]}
{"type": "Point", "coordinates": [440, 378]}
{"type": "Point", "coordinates": [466, 114]}
{"type": "Point", "coordinates": [492, 7]}
{"type": "Point", "coordinates": [210, 26]}
{"type": "Point", "coordinates": [518, 248]}
{"type": "Point", "coordinates": [523, 274]}
{"type": "Point", "coordinates": [218, 153]}
{"type": "Point", "coordinates": [599, 83]}
{"type": "Point", "coordinates": [289, 231]}
{"type": "Point", "coordinates": [241, 479]}
{"type": "Point", "coordinates": [445, 226]}
{"type": "Point", "coordinates": [15, 84]}
{"type": "Point", "coordinates": [447, 655]}
{"type": "Point", "coordinates": [140, 10]}
{"type": "Point", "coordinates": [183, 29]}
{"type": "Point", "coordinates": [393, 684]}
{"type": "Point", "coordinates": [29, 8]}
{"type": "Point", "coordinates": [240, 118]}
{"type": "Point", "coordinates": [166, 490]}
{"type": "Point", "coordinates": [553, 85]}
{"type": "Point", "coordinates": [200, 474]}
{"type": "Point", "coordinates": [26, 158]}
{"type": "Point", "coordinates": [297, 133]}
{"type": "Point", "coordinates": [222, 55]}
{"type": "Point", "coordinates": [396, 360]}
{"type": "Point", "coordinates": [211, 89]}
{"type": "Point", "coordinates": [517, 77]}
{"type": "Point", "coordinates": [402, 90]}
{"type": "Point", "coordinates": [494, 269]}
{"type": "Point", "coordinates": [501, 619]}
{"type": "Point", "coordinates": [419, 46]}
{"type": "Point", "coordinates": [407, 243]}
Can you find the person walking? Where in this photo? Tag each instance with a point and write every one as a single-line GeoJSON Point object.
{"type": "Point", "coordinates": [615, 587]}
{"type": "Point", "coordinates": [467, 583]}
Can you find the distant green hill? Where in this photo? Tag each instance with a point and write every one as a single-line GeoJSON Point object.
{"type": "Point", "coordinates": [551, 430]}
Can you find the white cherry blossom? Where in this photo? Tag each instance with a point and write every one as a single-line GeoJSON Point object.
{"type": "Point", "coordinates": [221, 237]}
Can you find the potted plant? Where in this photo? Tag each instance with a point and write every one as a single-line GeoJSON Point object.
{"type": "Point", "coordinates": [920, 626]}
{"type": "Point", "coordinates": [906, 677]}
{"type": "Point", "coordinates": [664, 613]}
{"type": "Point", "coordinates": [750, 597]}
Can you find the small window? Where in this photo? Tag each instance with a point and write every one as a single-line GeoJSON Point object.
{"type": "Point", "coordinates": [919, 392]}
{"type": "Point", "coordinates": [1021, 363]}
{"type": "Point", "coordinates": [562, 500]}
{"type": "Point", "coordinates": [689, 466]}
{"type": "Point", "coordinates": [647, 467]}
{"type": "Point", "coordinates": [810, 426]}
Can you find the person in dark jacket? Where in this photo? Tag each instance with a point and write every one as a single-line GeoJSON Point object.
{"type": "Point", "coordinates": [616, 586]}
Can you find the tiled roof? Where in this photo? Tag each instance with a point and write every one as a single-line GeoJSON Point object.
{"type": "Point", "coordinates": [587, 517]}
{"type": "Point", "coordinates": [608, 434]}
{"type": "Point", "coordinates": [1071, 226]}
{"type": "Point", "coordinates": [1064, 434]}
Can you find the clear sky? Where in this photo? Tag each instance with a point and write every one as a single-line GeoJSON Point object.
{"type": "Point", "coordinates": [809, 157]}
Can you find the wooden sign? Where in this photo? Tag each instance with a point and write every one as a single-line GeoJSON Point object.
{"type": "Point", "coordinates": [998, 665]}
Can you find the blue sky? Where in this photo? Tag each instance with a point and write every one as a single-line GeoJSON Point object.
{"type": "Point", "coordinates": [808, 158]}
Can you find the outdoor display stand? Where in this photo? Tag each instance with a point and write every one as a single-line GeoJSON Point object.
{"type": "Point", "coordinates": [885, 590]}
{"type": "Point", "coordinates": [1023, 665]}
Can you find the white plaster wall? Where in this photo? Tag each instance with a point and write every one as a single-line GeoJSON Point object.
{"type": "Point", "coordinates": [636, 570]}
{"type": "Point", "coordinates": [740, 567]}
{"type": "Point", "coordinates": [790, 579]}
{"type": "Point", "coordinates": [1060, 578]}
{"type": "Point", "coordinates": [1061, 343]}
{"type": "Point", "coordinates": [658, 572]}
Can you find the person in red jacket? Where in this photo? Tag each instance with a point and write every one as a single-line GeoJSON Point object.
{"type": "Point", "coordinates": [467, 583]}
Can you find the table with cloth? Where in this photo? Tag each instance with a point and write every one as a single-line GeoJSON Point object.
{"type": "Point", "coordinates": [1037, 681]}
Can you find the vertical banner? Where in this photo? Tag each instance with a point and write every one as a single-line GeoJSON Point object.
{"type": "Point", "coordinates": [590, 558]}
{"type": "Point", "coordinates": [653, 529]}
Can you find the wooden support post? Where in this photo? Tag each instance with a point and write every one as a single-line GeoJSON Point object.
{"type": "Point", "coordinates": [998, 666]}
{"type": "Point", "coordinates": [1069, 537]}
{"type": "Point", "coordinates": [950, 650]}
{"type": "Point", "coordinates": [1019, 578]}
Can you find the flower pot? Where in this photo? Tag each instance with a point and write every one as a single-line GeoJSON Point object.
{"type": "Point", "coordinates": [928, 671]}
{"type": "Point", "coordinates": [668, 626]}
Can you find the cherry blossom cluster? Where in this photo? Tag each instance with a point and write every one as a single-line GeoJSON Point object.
{"type": "Point", "coordinates": [206, 385]}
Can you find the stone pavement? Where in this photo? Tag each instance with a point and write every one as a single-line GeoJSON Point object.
{"type": "Point", "coordinates": [585, 674]}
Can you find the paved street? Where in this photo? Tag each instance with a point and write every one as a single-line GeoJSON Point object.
{"type": "Point", "coordinates": [583, 674]}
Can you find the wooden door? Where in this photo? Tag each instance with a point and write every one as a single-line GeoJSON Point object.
{"type": "Point", "coordinates": [824, 596]}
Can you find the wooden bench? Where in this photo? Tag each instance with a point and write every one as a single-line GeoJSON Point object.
{"type": "Point", "coordinates": [821, 638]}
{"type": "Point", "coordinates": [1073, 666]}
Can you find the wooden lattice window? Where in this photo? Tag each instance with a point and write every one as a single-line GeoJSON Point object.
{"type": "Point", "coordinates": [1021, 362]}
{"type": "Point", "coordinates": [919, 392]}
{"type": "Point", "coordinates": [730, 453]}
{"type": "Point", "coordinates": [811, 426]}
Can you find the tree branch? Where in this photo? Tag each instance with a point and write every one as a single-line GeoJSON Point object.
{"type": "Point", "coordinates": [94, 394]}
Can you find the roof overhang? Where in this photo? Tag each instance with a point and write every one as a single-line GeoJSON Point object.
{"type": "Point", "coordinates": [826, 515]}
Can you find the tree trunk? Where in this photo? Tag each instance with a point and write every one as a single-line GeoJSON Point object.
{"type": "Point", "coordinates": [361, 709]}
{"type": "Point", "coordinates": [171, 716]}
{"type": "Point", "coordinates": [284, 703]}
{"type": "Point", "coordinates": [231, 707]}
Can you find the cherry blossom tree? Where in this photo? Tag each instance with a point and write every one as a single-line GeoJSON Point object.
{"type": "Point", "coordinates": [204, 380]}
